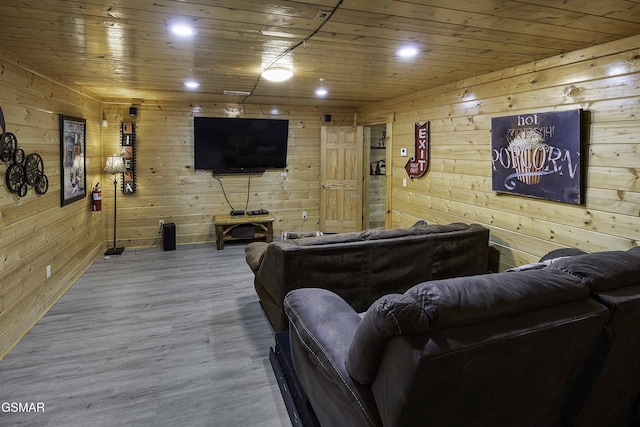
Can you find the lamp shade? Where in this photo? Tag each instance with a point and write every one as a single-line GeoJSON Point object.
{"type": "Point", "coordinates": [115, 164]}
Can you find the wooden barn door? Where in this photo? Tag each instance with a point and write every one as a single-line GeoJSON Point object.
{"type": "Point", "coordinates": [341, 178]}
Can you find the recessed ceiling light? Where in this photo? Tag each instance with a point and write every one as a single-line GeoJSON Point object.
{"type": "Point", "coordinates": [407, 52]}
{"type": "Point", "coordinates": [322, 91]}
{"type": "Point", "coordinates": [192, 84]}
{"type": "Point", "coordinates": [277, 74]}
{"type": "Point", "coordinates": [182, 30]}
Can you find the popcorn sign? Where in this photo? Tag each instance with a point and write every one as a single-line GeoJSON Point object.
{"type": "Point", "coordinates": [538, 155]}
{"type": "Point", "coordinates": [418, 165]}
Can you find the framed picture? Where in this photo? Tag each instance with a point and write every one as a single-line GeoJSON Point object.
{"type": "Point", "coordinates": [539, 155]}
{"type": "Point", "coordinates": [72, 159]}
{"type": "Point", "coordinates": [127, 128]}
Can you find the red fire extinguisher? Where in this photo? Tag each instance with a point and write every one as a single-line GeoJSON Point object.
{"type": "Point", "coordinates": [96, 198]}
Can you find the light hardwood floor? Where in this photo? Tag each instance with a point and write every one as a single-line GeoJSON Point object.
{"type": "Point", "coordinates": [150, 338]}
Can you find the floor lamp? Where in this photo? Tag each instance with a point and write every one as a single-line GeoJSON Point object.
{"type": "Point", "coordinates": [114, 165]}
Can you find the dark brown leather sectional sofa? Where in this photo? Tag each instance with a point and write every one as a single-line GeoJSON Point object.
{"type": "Point", "coordinates": [557, 344]}
{"type": "Point", "coordinates": [362, 266]}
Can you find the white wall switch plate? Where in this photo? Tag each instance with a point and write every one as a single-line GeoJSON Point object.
{"type": "Point", "coordinates": [403, 152]}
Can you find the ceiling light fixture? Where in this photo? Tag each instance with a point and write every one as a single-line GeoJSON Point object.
{"type": "Point", "coordinates": [277, 74]}
{"type": "Point", "coordinates": [192, 84]}
{"type": "Point", "coordinates": [407, 52]}
{"type": "Point", "coordinates": [182, 30]}
{"type": "Point", "coordinates": [322, 91]}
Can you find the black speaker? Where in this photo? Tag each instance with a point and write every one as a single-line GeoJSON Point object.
{"type": "Point", "coordinates": [169, 236]}
{"type": "Point", "coordinates": [327, 118]}
{"type": "Point", "coordinates": [133, 111]}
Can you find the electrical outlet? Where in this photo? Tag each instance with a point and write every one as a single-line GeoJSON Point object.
{"type": "Point", "coordinates": [161, 223]}
{"type": "Point", "coordinates": [304, 214]}
{"type": "Point", "coordinates": [48, 271]}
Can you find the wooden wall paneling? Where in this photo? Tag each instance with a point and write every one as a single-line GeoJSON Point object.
{"type": "Point", "coordinates": [169, 188]}
{"type": "Point", "coordinates": [35, 232]}
{"type": "Point", "coordinates": [616, 201]}
{"type": "Point", "coordinates": [602, 81]}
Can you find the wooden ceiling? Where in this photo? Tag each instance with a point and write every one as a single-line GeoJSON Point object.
{"type": "Point", "coordinates": [122, 49]}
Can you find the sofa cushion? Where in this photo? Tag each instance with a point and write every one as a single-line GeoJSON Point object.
{"type": "Point", "coordinates": [418, 228]}
{"type": "Point", "coordinates": [561, 253]}
{"type": "Point", "coordinates": [603, 270]}
{"type": "Point", "coordinates": [549, 258]}
{"type": "Point", "coordinates": [379, 234]}
{"type": "Point", "coordinates": [442, 304]}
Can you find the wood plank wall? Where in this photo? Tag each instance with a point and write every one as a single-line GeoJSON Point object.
{"type": "Point", "coordinates": [603, 81]}
{"type": "Point", "coordinates": [168, 188]}
{"type": "Point", "coordinates": [35, 232]}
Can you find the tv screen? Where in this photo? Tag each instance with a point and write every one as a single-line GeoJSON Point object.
{"type": "Point", "coordinates": [226, 145]}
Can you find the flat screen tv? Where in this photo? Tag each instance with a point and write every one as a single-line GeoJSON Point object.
{"type": "Point", "coordinates": [227, 145]}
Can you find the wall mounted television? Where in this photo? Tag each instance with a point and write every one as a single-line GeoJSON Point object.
{"type": "Point", "coordinates": [239, 145]}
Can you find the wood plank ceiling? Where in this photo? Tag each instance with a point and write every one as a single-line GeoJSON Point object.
{"type": "Point", "coordinates": [122, 49]}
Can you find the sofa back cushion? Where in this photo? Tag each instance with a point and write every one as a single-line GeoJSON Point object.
{"type": "Point", "coordinates": [603, 271]}
{"type": "Point", "coordinates": [513, 370]}
{"type": "Point", "coordinates": [420, 228]}
{"type": "Point", "coordinates": [417, 229]}
{"type": "Point", "coordinates": [443, 304]}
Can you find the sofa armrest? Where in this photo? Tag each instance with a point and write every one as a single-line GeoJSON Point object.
{"type": "Point", "coordinates": [325, 324]}
{"type": "Point", "coordinates": [322, 325]}
{"type": "Point", "coordinates": [254, 254]}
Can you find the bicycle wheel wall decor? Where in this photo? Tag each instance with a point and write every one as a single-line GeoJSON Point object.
{"type": "Point", "coordinates": [21, 170]}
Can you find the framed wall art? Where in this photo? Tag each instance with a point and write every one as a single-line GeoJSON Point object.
{"type": "Point", "coordinates": [72, 159]}
{"type": "Point", "coordinates": [128, 149]}
{"type": "Point", "coordinates": [539, 155]}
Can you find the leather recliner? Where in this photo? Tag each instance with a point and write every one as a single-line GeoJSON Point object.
{"type": "Point", "coordinates": [490, 350]}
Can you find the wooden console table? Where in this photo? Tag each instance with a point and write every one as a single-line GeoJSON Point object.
{"type": "Point", "coordinates": [263, 225]}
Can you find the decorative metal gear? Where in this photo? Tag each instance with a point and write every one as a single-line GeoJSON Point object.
{"type": "Point", "coordinates": [18, 156]}
{"type": "Point", "coordinates": [24, 170]}
{"type": "Point", "coordinates": [42, 184]}
{"type": "Point", "coordinates": [34, 167]}
{"type": "Point", "coordinates": [15, 179]}
{"type": "Point", "coordinates": [22, 189]}
{"type": "Point", "coordinates": [9, 145]}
